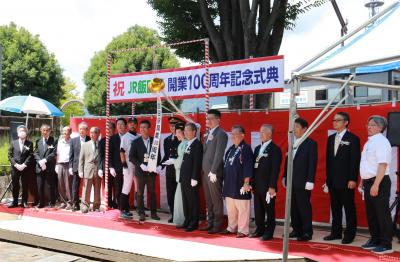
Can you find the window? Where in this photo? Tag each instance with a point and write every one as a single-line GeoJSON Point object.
{"type": "Point", "coordinates": [321, 94]}
{"type": "Point", "coordinates": [361, 91]}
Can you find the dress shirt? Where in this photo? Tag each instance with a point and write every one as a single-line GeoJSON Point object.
{"type": "Point", "coordinates": [211, 132]}
{"type": "Point", "coordinates": [21, 144]}
{"type": "Point", "coordinates": [376, 150]}
{"type": "Point", "coordinates": [63, 148]}
{"type": "Point", "coordinates": [264, 146]}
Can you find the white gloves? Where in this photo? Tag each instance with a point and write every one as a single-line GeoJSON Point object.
{"type": "Point", "coordinates": [213, 177]}
{"type": "Point", "coordinates": [309, 186]}
{"type": "Point", "coordinates": [80, 174]}
{"type": "Point", "coordinates": [325, 188]}
{"type": "Point", "coordinates": [42, 162]}
{"type": "Point", "coordinates": [112, 172]}
{"type": "Point", "coordinates": [57, 169]}
{"type": "Point", "coordinates": [193, 183]}
{"type": "Point", "coordinates": [43, 167]}
{"type": "Point", "coordinates": [100, 173]}
{"type": "Point", "coordinates": [268, 197]}
{"type": "Point", "coordinates": [71, 173]}
{"type": "Point", "coordinates": [20, 167]}
{"type": "Point", "coordinates": [144, 167]}
{"type": "Point", "coordinates": [169, 162]}
{"type": "Point", "coordinates": [361, 190]}
{"type": "Point", "coordinates": [158, 170]}
{"type": "Point", "coordinates": [125, 171]}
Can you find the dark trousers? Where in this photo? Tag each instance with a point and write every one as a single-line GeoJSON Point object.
{"type": "Point", "coordinates": [171, 185]}
{"type": "Point", "coordinates": [149, 182]}
{"type": "Point", "coordinates": [76, 182]}
{"type": "Point", "coordinates": [215, 204]}
{"type": "Point", "coordinates": [16, 176]}
{"type": "Point", "coordinates": [111, 192]}
{"type": "Point", "coordinates": [260, 207]}
{"type": "Point", "coordinates": [118, 182]}
{"type": "Point", "coordinates": [343, 198]}
{"type": "Point", "coordinates": [46, 188]}
{"type": "Point", "coordinates": [378, 213]}
{"type": "Point", "coordinates": [301, 211]}
{"type": "Point", "coordinates": [190, 199]}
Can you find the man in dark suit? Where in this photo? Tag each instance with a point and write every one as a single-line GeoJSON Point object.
{"type": "Point", "coordinates": [45, 157]}
{"type": "Point", "coordinates": [267, 164]}
{"type": "Point", "coordinates": [171, 144]}
{"type": "Point", "coordinates": [139, 154]}
{"type": "Point", "coordinates": [115, 164]}
{"type": "Point", "coordinates": [74, 162]}
{"type": "Point", "coordinates": [304, 168]}
{"type": "Point", "coordinates": [189, 178]}
{"type": "Point", "coordinates": [342, 167]}
{"type": "Point", "coordinates": [20, 155]}
{"type": "Point", "coordinates": [101, 167]}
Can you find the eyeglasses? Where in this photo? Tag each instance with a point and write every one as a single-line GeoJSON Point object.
{"type": "Point", "coordinates": [337, 120]}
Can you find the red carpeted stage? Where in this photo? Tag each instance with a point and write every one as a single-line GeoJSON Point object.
{"type": "Point", "coordinates": [158, 239]}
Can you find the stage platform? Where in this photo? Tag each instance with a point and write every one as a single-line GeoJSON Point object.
{"type": "Point", "coordinates": [162, 240]}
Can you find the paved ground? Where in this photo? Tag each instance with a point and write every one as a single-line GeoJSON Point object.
{"type": "Point", "coordinates": [10, 252]}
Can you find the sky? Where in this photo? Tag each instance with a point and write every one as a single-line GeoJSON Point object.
{"type": "Point", "coordinates": [75, 29]}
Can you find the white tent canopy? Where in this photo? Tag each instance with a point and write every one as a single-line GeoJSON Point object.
{"type": "Point", "coordinates": [378, 42]}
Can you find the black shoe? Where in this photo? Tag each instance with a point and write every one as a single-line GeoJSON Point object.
{"type": "Point", "coordinates": [332, 237]}
{"type": "Point", "coordinates": [183, 226]}
{"type": "Point", "coordinates": [170, 220]}
{"type": "Point", "coordinates": [190, 229]}
{"type": "Point", "coordinates": [305, 237]}
{"type": "Point", "coordinates": [76, 208]}
{"type": "Point", "coordinates": [294, 235]}
{"type": "Point", "coordinates": [255, 234]}
{"type": "Point", "coordinates": [13, 205]}
{"type": "Point", "coordinates": [346, 240]}
{"type": "Point", "coordinates": [206, 227]}
{"type": "Point", "coordinates": [214, 230]}
{"type": "Point", "coordinates": [266, 237]}
{"type": "Point", "coordinates": [142, 217]}
{"type": "Point", "coordinates": [226, 232]}
{"type": "Point", "coordinates": [155, 217]}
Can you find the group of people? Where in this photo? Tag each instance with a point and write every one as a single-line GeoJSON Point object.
{"type": "Point", "coordinates": [234, 174]}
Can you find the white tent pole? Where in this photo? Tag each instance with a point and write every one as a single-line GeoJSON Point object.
{"type": "Point", "coordinates": [365, 63]}
{"type": "Point", "coordinates": [344, 38]}
{"type": "Point", "coordinates": [26, 122]}
{"type": "Point", "coordinates": [292, 114]}
{"type": "Point", "coordinates": [352, 83]}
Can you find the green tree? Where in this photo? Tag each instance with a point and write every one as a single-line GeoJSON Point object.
{"type": "Point", "coordinates": [237, 29]}
{"type": "Point", "coordinates": [70, 109]}
{"type": "Point", "coordinates": [28, 68]}
{"type": "Point", "coordinates": [95, 77]}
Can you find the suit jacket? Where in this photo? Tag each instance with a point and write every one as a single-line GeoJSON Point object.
{"type": "Point", "coordinates": [343, 167]}
{"type": "Point", "coordinates": [304, 164]}
{"type": "Point", "coordinates": [102, 154]}
{"type": "Point", "coordinates": [136, 155]}
{"type": "Point", "coordinates": [114, 153]}
{"type": "Point", "coordinates": [170, 150]}
{"type": "Point", "coordinates": [89, 160]}
{"type": "Point", "coordinates": [16, 156]}
{"type": "Point", "coordinates": [269, 165]}
{"type": "Point", "coordinates": [214, 151]}
{"type": "Point", "coordinates": [74, 152]}
{"type": "Point", "coordinates": [47, 152]}
{"type": "Point", "coordinates": [191, 163]}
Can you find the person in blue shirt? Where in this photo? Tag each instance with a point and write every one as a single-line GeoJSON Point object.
{"type": "Point", "coordinates": [238, 170]}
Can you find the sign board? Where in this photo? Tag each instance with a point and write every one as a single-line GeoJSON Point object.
{"type": "Point", "coordinates": [249, 76]}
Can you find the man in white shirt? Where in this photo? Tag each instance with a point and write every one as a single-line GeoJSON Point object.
{"type": "Point", "coordinates": [128, 173]}
{"type": "Point", "coordinates": [62, 168]}
{"type": "Point", "coordinates": [374, 172]}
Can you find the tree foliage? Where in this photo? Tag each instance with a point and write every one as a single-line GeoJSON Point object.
{"type": "Point", "coordinates": [28, 68]}
{"type": "Point", "coordinates": [70, 93]}
{"type": "Point", "coordinates": [95, 77]}
{"type": "Point", "coordinates": [237, 29]}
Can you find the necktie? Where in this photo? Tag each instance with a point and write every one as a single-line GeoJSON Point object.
{"type": "Point", "coordinates": [337, 143]}
{"type": "Point", "coordinates": [21, 144]}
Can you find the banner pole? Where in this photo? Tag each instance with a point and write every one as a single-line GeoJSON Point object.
{"type": "Point", "coordinates": [105, 171]}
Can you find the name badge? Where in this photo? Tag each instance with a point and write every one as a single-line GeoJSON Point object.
{"type": "Point", "coordinates": [146, 158]}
